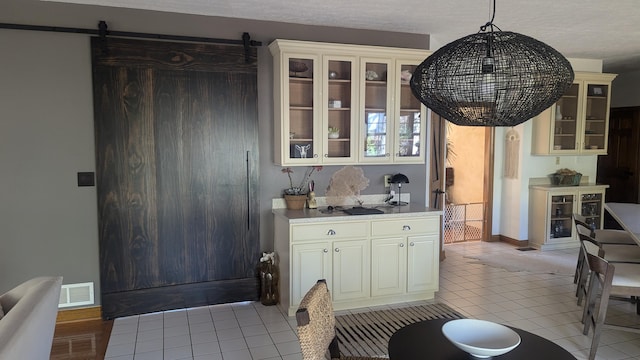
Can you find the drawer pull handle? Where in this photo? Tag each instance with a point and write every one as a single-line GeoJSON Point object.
{"type": "Point", "coordinates": [326, 250]}
{"type": "Point", "coordinates": [411, 243]}
{"type": "Point", "coordinates": [401, 244]}
{"type": "Point", "coordinates": [331, 232]}
{"type": "Point", "coordinates": [337, 250]}
{"type": "Point", "coordinates": [406, 227]}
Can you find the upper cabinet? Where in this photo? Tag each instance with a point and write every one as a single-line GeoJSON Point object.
{"type": "Point", "coordinates": [346, 104]}
{"type": "Point", "coordinates": [578, 124]}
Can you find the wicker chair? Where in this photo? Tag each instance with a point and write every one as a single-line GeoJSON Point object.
{"type": "Point", "coordinates": [317, 325]}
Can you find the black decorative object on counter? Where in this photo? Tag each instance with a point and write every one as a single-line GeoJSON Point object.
{"type": "Point", "coordinates": [399, 179]}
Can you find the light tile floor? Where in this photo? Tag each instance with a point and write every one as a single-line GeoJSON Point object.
{"type": "Point", "coordinates": [543, 304]}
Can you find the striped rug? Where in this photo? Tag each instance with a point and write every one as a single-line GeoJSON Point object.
{"type": "Point", "coordinates": [368, 333]}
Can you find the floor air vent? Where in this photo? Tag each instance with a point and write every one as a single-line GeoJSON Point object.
{"type": "Point", "coordinates": [76, 295]}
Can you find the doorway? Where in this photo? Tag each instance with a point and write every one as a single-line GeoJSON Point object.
{"type": "Point", "coordinates": [468, 182]}
{"type": "Point", "coordinates": [439, 144]}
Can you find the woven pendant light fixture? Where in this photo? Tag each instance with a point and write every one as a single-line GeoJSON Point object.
{"type": "Point", "coordinates": [492, 78]}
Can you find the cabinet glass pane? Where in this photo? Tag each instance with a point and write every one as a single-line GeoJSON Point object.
{"type": "Point", "coordinates": [591, 208]}
{"type": "Point", "coordinates": [301, 85]}
{"type": "Point", "coordinates": [595, 117]}
{"type": "Point", "coordinates": [410, 119]}
{"type": "Point", "coordinates": [561, 216]}
{"type": "Point", "coordinates": [565, 120]}
{"type": "Point", "coordinates": [375, 110]}
{"type": "Point", "coordinates": [339, 106]}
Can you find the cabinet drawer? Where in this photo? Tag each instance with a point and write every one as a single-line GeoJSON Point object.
{"type": "Point", "coordinates": [405, 226]}
{"type": "Point", "coordinates": [326, 231]}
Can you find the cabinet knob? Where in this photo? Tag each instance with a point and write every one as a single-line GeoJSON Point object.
{"type": "Point", "coordinates": [412, 243]}
{"type": "Point", "coordinates": [387, 154]}
{"type": "Point", "coordinates": [326, 155]}
{"type": "Point", "coordinates": [337, 250]}
{"type": "Point", "coordinates": [406, 227]}
{"type": "Point", "coordinates": [326, 250]}
{"type": "Point", "coordinates": [315, 156]}
{"type": "Point", "coordinates": [331, 232]}
{"type": "Point", "coordinates": [401, 244]}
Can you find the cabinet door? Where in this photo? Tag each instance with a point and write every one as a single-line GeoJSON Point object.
{"type": "Point", "coordinates": [591, 207]}
{"type": "Point", "coordinates": [560, 214]}
{"type": "Point", "coordinates": [388, 266]}
{"type": "Point", "coordinates": [565, 121]}
{"type": "Point", "coordinates": [409, 117]}
{"type": "Point", "coordinates": [596, 118]}
{"type": "Point", "coordinates": [351, 269]}
{"type": "Point", "coordinates": [423, 263]}
{"type": "Point", "coordinates": [301, 109]}
{"type": "Point", "coordinates": [339, 110]}
{"type": "Point", "coordinates": [309, 263]}
{"type": "Point", "coordinates": [376, 135]}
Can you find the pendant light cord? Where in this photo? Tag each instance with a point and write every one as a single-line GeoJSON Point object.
{"type": "Point", "coordinates": [490, 24]}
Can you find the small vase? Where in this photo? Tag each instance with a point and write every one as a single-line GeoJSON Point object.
{"type": "Point", "coordinates": [295, 202]}
{"type": "Point", "coordinates": [558, 113]}
{"type": "Point", "coordinates": [269, 277]}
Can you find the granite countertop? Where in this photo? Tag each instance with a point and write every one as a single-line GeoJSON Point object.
{"type": "Point", "coordinates": [322, 213]}
{"type": "Point", "coordinates": [560, 187]}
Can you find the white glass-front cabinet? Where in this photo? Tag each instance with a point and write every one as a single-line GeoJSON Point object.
{"type": "Point", "coordinates": [578, 123]}
{"type": "Point", "coordinates": [393, 131]}
{"type": "Point", "coordinates": [376, 98]}
{"type": "Point", "coordinates": [410, 117]}
{"type": "Point", "coordinates": [299, 134]}
{"type": "Point", "coordinates": [338, 110]}
{"type": "Point", "coordinates": [551, 215]}
{"type": "Point", "coordinates": [345, 104]}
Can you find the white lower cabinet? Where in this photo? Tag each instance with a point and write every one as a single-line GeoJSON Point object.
{"type": "Point", "coordinates": [365, 263]}
{"type": "Point", "coordinates": [389, 260]}
{"type": "Point", "coordinates": [551, 212]}
{"type": "Point", "coordinates": [351, 270]}
{"type": "Point", "coordinates": [407, 263]}
{"type": "Point", "coordinates": [313, 262]}
{"type": "Point", "coordinates": [422, 275]}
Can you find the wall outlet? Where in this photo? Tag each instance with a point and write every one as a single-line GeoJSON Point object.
{"type": "Point", "coordinates": [387, 179]}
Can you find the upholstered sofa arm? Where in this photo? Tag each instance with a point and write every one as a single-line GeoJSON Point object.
{"type": "Point", "coordinates": [31, 308]}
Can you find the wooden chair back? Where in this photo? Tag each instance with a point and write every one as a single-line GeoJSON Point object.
{"type": "Point", "coordinates": [599, 290]}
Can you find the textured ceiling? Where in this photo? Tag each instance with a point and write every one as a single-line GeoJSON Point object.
{"type": "Point", "coordinates": [593, 29]}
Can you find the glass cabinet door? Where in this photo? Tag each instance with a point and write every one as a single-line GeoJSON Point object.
{"type": "Point", "coordinates": [375, 100]}
{"type": "Point", "coordinates": [338, 132]}
{"type": "Point", "coordinates": [564, 119]}
{"type": "Point", "coordinates": [591, 208]}
{"type": "Point", "coordinates": [561, 216]}
{"type": "Point", "coordinates": [301, 100]}
{"type": "Point", "coordinates": [411, 113]}
{"type": "Point", "coordinates": [596, 110]}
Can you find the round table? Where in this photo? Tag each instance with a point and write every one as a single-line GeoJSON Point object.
{"type": "Point", "coordinates": [424, 340]}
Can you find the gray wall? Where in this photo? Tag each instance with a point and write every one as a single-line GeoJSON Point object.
{"type": "Point", "coordinates": [48, 225]}
{"type": "Point", "coordinates": [625, 90]}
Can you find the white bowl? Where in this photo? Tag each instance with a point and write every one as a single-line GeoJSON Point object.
{"type": "Point", "coordinates": [481, 338]}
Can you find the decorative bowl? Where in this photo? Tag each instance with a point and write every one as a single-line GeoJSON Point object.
{"type": "Point", "coordinates": [297, 66]}
{"type": "Point", "coordinates": [480, 338]}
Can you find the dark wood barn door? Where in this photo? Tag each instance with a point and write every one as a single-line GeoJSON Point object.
{"type": "Point", "coordinates": [177, 172]}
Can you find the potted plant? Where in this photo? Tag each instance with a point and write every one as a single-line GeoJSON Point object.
{"type": "Point", "coordinates": [334, 132]}
{"type": "Point", "coordinates": [296, 196]}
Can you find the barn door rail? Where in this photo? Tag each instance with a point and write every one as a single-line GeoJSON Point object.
{"type": "Point", "coordinates": [103, 31]}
